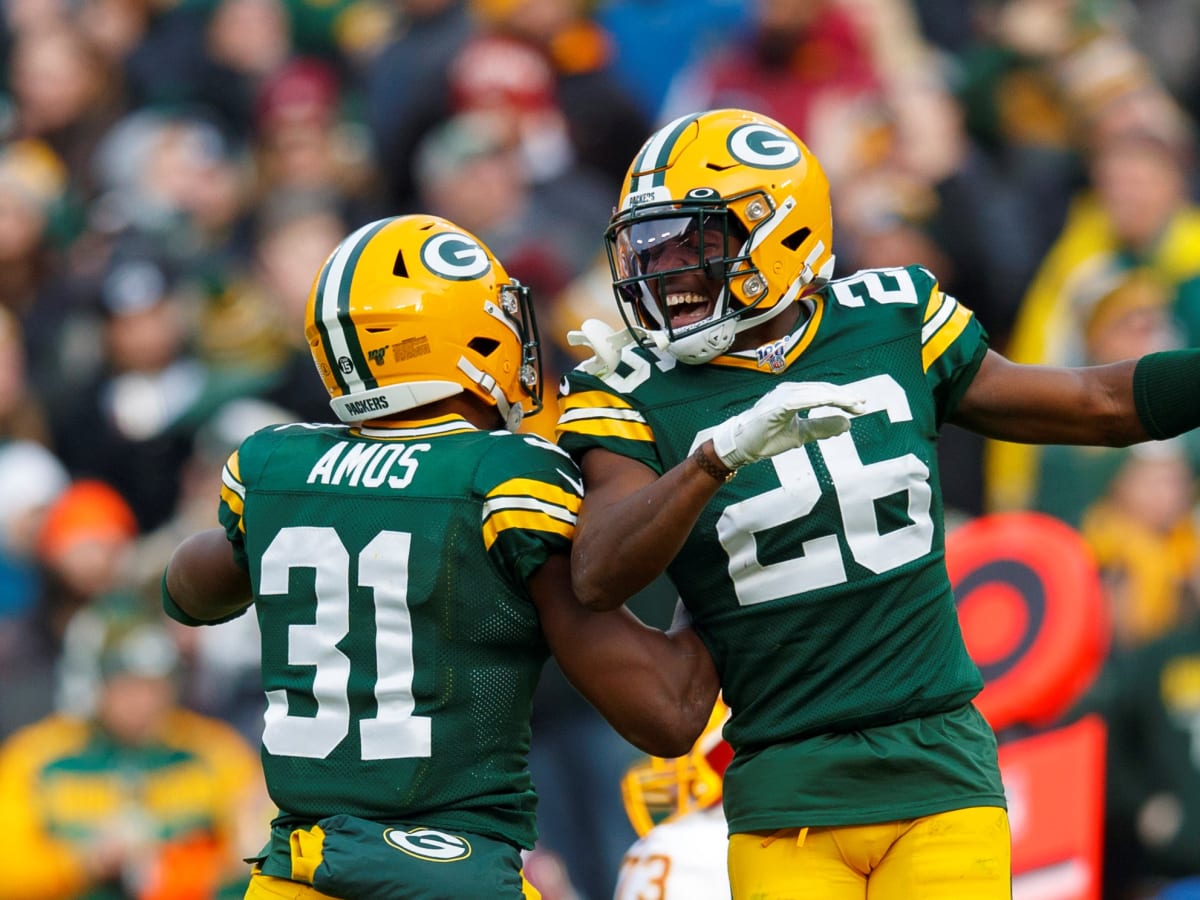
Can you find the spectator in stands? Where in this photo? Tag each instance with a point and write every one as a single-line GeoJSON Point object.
{"type": "Point", "coordinates": [406, 88]}
{"type": "Point", "coordinates": [604, 119]}
{"type": "Point", "coordinates": [1144, 535]}
{"type": "Point", "coordinates": [31, 478]}
{"type": "Point", "coordinates": [1136, 213]}
{"type": "Point", "coordinates": [131, 797]}
{"type": "Point", "coordinates": [1124, 315]}
{"type": "Point", "coordinates": [1150, 699]}
{"type": "Point", "coordinates": [81, 551]}
{"type": "Point", "coordinates": [304, 141]}
{"type": "Point", "coordinates": [63, 94]}
{"type": "Point", "coordinates": [794, 57]}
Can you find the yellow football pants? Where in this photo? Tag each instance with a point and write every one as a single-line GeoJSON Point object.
{"type": "Point", "coordinates": [264, 887]}
{"type": "Point", "coordinates": [964, 854]}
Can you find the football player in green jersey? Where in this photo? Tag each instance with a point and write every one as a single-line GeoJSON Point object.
{"type": "Point", "coordinates": [816, 577]}
{"type": "Point", "coordinates": [409, 571]}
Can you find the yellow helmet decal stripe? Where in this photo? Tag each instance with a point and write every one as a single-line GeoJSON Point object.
{"type": "Point", "coordinates": [333, 318]}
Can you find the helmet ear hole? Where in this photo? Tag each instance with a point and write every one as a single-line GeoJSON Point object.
{"type": "Point", "coordinates": [484, 346]}
{"type": "Point", "coordinates": [796, 238]}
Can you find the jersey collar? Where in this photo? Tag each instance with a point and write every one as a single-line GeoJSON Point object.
{"type": "Point", "coordinates": [439, 426]}
{"type": "Point", "coordinates": [776, 357]}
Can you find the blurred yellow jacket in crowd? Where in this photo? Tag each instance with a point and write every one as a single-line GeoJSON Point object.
{"type": "Point", "coordinates": [1051, 326]}
{"type": "Point", "coordinates": [164, 811]}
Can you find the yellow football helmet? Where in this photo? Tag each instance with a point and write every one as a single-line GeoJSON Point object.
{"type": "Point", "coordinates": [657, 790]}
{"type": "Point", "coordinates": [413, 309]}
{"type": "Point", "coordinates": [752, 205]}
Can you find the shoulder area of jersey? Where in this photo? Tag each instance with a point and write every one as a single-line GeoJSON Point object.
{"type": "Point", "coordinates": [527, 442]}
{"type": "Point", "coordinates": [610, 347]}
{"type": "Point", "coordinates": [898, 286]}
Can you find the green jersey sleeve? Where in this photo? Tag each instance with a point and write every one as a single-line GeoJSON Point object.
{"type": "Point", "coordinates": [953, 344]}
{"type": "Point", "coordinates": [531, 495]}
{"type": "Point", "coordinates": [593, 415]}
{"type": "Point", "coordinates": [232, 508]}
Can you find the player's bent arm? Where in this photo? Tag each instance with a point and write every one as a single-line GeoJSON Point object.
{"type": "Point", "coordinates": [204, 582]}
{"type": "Point", "coordinates": [633, 522]}
{"type": "Point", "coordinates": [657, 689]}
{"type": "Point", "coordinates": [1052, 405]}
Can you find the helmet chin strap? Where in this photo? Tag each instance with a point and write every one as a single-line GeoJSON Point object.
{"type": "Point", "coordinates": [512, 413]}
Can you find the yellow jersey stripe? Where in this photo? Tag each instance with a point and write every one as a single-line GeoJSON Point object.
{"type": "Point", "coordinates": [233, 492]}
{"type": "Point", "coordinates": [526, 519]}
{"type": "Point", "coordinates": [941, 315]}
{"type": "Point", "coordinates": [601, 426]}
{"type": "Point", "coordinates": [936, 301]}
{"type": "Point", "coordinates": [531, 487]}
{"type": "Point", "coordinates": [945, 336]}
{"type": "Point", "coordinates": [591, 400]}
{"type": "Point", "coordinates": [236, 505]}
{"type": "Point", "coordinates": [233, 466]}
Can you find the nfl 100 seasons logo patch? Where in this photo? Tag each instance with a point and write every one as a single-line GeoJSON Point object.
{"type": "Point", "coordinates": [771, 356]}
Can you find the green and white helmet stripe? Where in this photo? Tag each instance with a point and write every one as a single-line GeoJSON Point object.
{"type": "Point", "coordinates": [653, 158]}
{"type": "Point", "coordinates": [342, 349]}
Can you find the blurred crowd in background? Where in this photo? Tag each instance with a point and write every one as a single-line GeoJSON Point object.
{"type": "Point", "coordinates": [173, 172]}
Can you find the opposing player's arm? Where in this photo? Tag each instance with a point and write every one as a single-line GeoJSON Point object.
{"type": "Point", "coordinates": [204, 582]}
{"type": "Point", "coordinates": [1113, 405]}
{"type": "Point", "coordinates": [656, 688]}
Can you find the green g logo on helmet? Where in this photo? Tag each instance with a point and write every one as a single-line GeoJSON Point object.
{"type": "Point", "coordinates": [455, 257]}
{"type": "Point", "coordinates": [763, 147]}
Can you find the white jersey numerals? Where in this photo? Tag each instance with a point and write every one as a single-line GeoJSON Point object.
{"type": "Point", "coordinates": [857, 486]}
{"type": "Point", "coordinates": [395, 732]}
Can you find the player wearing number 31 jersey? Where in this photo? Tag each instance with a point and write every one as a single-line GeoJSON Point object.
{"type": "Point", "coordinates": [816, 576]}
{"type": "Point", "coordinates": [409, 573]}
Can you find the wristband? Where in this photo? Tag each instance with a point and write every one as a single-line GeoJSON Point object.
{"type": "Point", "coordinates": [711, 468]}
{"type": "Point", "coordinates": [1166, 392]}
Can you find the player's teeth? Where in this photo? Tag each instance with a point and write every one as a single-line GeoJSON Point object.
{"type": "Point", "coordinates": [682, 299]}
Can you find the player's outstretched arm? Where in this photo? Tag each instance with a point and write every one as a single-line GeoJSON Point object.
{"type": "Point", "coordinates": [655, 688]}
{"type": "Point", "coordinates": [203, 583]}
{"type": "Point", "coordinates": [1155, 397]}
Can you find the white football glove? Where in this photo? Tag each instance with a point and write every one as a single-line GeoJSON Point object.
{"type": "Point", "coordinates": [772, 425]}
{"type": "Point", "coordinates": [604, 341]}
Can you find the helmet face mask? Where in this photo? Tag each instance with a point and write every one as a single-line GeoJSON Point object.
{"type": "Point", "coordinates": [673, 264]}
{"type": "Point", "coordinates": [411, 310]}
{"type": "Point", "coordinates": [752, 183]}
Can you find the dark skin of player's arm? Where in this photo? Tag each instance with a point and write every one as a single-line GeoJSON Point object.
{"type": "Point", "coordinates": [655, 688]}
{"type": "Point", "coordinates": [632, 515]}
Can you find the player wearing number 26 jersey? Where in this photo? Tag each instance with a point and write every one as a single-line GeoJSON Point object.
{"type": "Point", "coordinates": [816, 576]}
{"type": "Point", "coordinates": [408, 569]}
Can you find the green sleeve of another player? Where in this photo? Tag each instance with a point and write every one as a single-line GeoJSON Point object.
{"type": "Point", "coordinates": [953, 345]}
{"type": "Point", "coordinates": [591, 415]}
{"type": "Point", "coordinates": [531, 495]}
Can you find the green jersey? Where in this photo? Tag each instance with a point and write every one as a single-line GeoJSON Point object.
{"type": "Point", "coordinates": [817, 577]}
{"type": "Point", "coordinates": [400, 647]}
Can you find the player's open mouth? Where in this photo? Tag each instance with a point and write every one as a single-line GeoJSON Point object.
{"type": "Point", "coordinates": [687, 308]}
